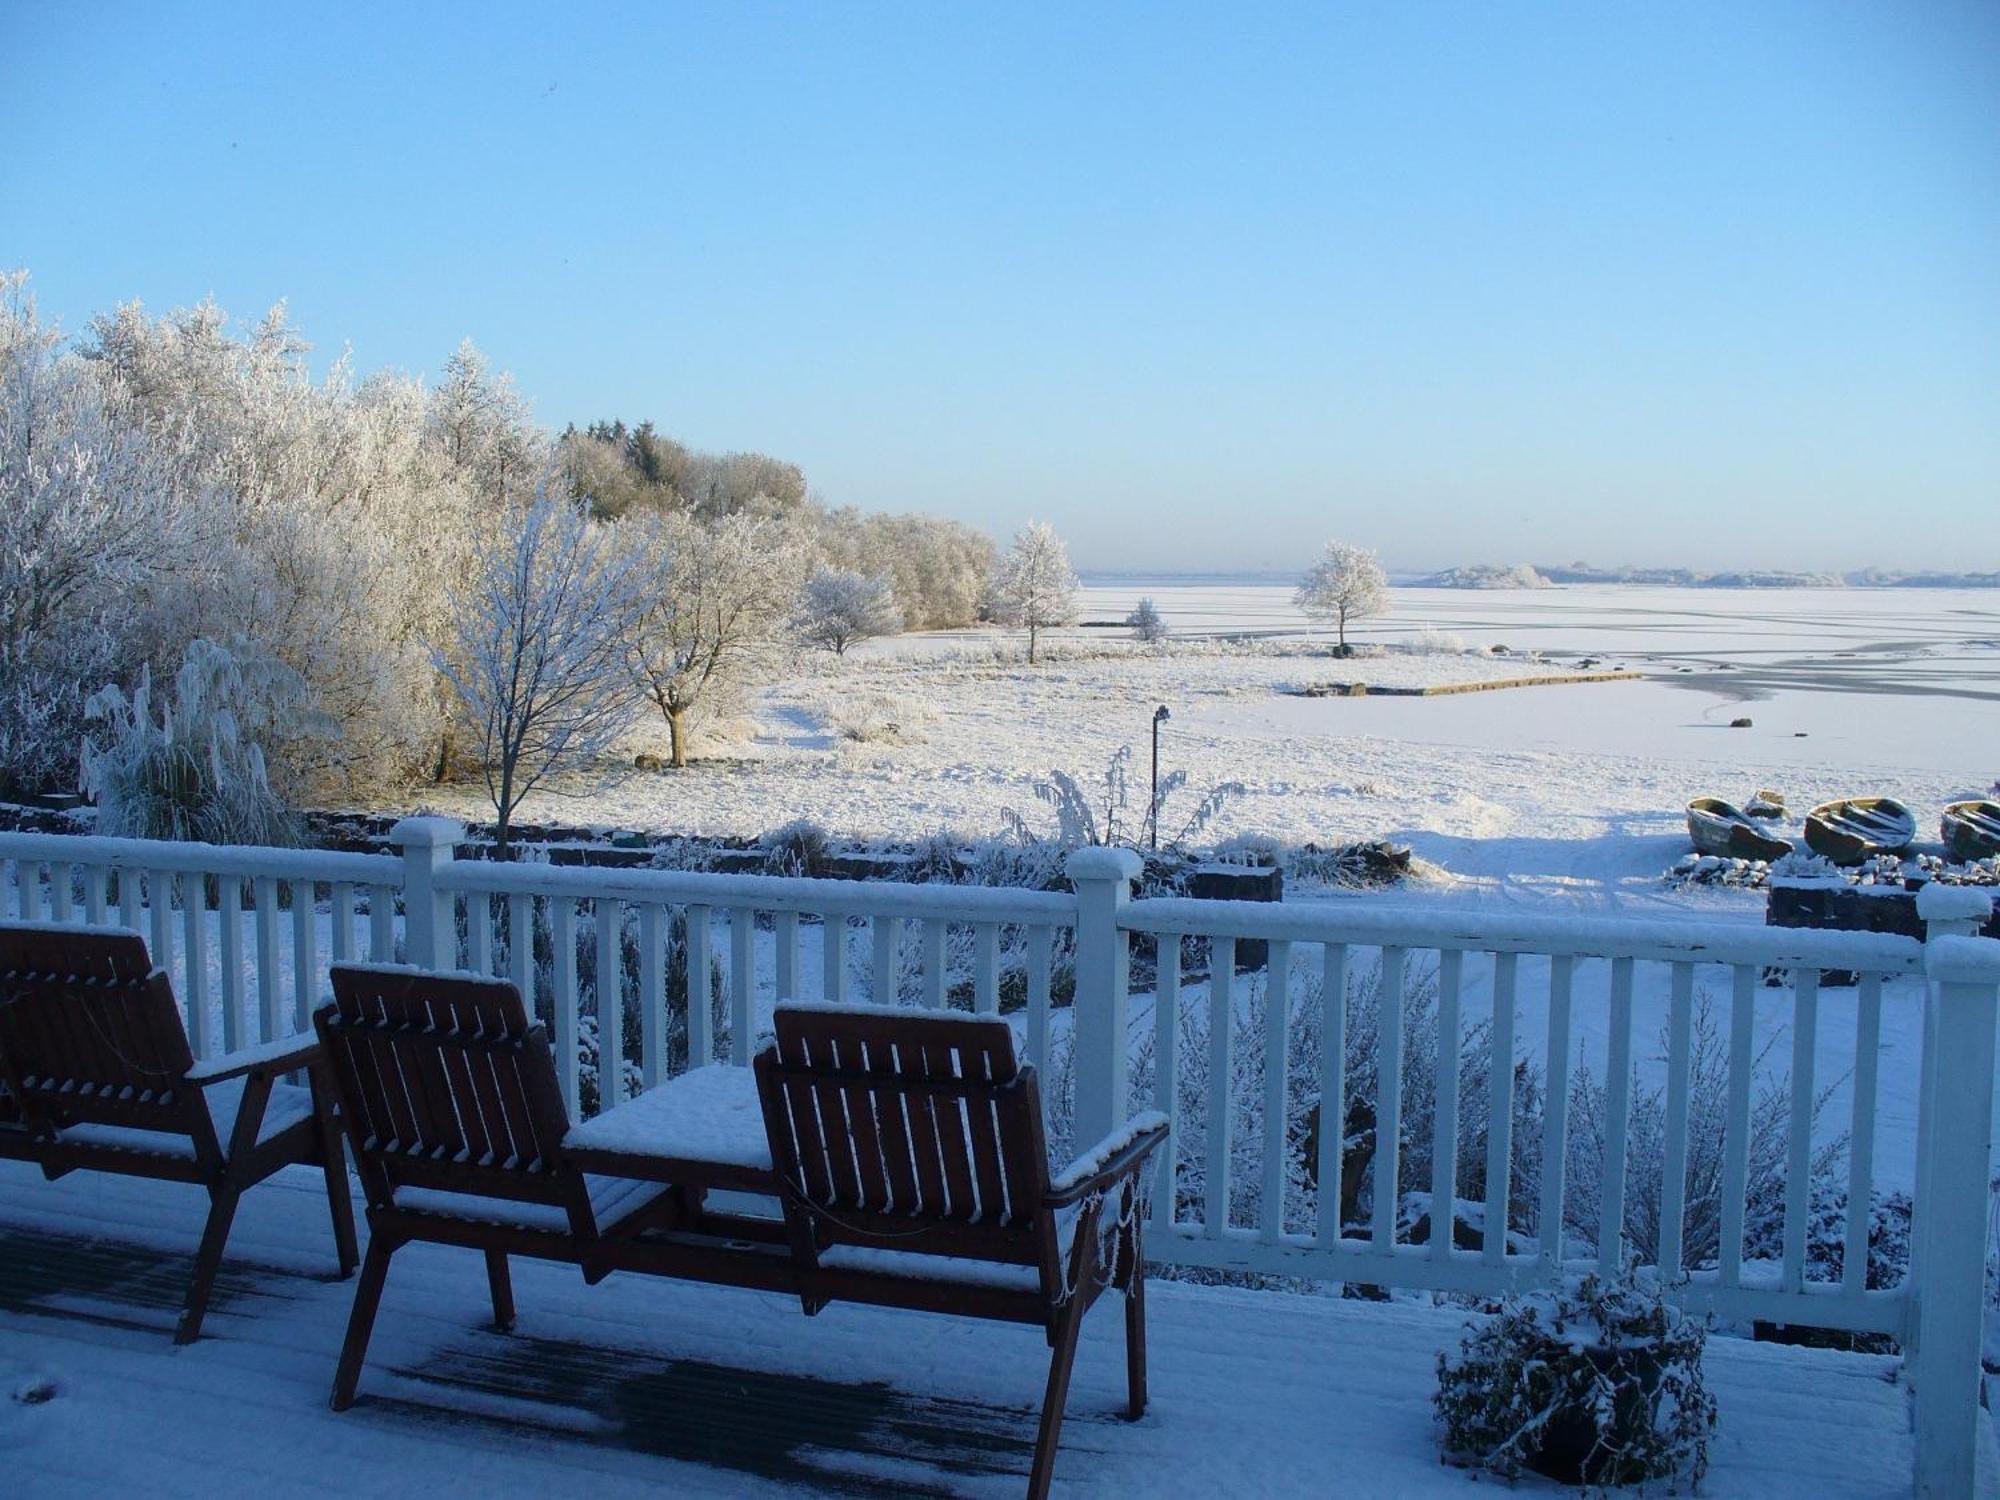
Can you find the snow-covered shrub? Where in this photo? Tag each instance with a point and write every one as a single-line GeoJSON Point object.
{"type": "Point", "coordinates": [1431, 641]}
{"type": "Point", "coordinates": [194, 768]}
{"type": "Point", "coordinates": [1146, 623]}
{"type": "Point", "coordinates": [1598, 1383]}
{"type": "Point", "coordinates": [939, 569]}
{"type": "Point", "coordinates": [331, 519]}
{"type": "Point", "coordinates": [1256, 850]}
{"type": "Point", "coordinates": [872, 718]}
{"type": "Point", "coordinates": [1083, 820]}
{"type": "Point", "coordinates": [1302, 1125]}
{"type": "Point", "coordinates": [1708, 1113]}
{"type": "Point", "coordinates": [799, 847]}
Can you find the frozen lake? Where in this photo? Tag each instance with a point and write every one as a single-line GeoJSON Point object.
{"type": "Point", "coordinates": [1864, 678]}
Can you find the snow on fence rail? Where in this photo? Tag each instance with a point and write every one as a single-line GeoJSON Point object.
{"type": "Point", "coordinates": [620, 956]}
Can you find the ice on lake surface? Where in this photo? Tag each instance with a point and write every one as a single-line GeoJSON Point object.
{"type": "Point", "coordinates": [1872, 677]}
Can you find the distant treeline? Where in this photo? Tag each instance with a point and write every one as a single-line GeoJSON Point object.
{"type": "Point", "coordinates": [1543, 575]}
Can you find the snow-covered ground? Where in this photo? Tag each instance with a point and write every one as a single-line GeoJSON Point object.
{"type": "Point", "coordinates": [1572, 793]}
{"type": "Point", "coordinates": [641, 1386]}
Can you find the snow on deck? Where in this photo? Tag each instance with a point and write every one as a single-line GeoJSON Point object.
{"type": "Point", "coordinates": [640, 1385]}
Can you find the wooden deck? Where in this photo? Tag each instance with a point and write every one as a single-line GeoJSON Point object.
{"type": "Point", "coordinates": [641, 1385]}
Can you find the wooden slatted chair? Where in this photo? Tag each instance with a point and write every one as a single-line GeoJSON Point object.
{"type": "Point", "coordinates": [913, 1171]}
{"type": "Point", "coordinates": [456, 1121]}
{"type": "Point", "coordinates": [97, 1066]}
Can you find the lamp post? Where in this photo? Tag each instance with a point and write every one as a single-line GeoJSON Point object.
{"type": "Point", "coordinates": [1160, 716]}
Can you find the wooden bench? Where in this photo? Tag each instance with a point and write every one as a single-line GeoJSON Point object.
{"type": "Point", "coordinates": [98, 1074]}
{"type": "Point", "coordinates": [902, 1153]}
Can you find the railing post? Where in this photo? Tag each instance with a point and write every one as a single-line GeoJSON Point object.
{"type": "Point", "coordinates": [430, 937]}
{"type": "Point", "coordinates": [1955, 1156]}
{"type": "Point", "coordinates": [1102, 878]}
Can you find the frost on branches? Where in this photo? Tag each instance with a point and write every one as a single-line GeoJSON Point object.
{"type": "Point", "coordinates": [838, 608]}
{"type": "Point", "coordinates": [536, 648]}
{"type": "Point", "coordinates": [1345, 585]}
{"type": "Point", "coordinates": [716, 600]}
{"type": "Point", "coordinates": [1034, 587]}
{"type": "Point", "coordinates": [1146, 623]}
{"type": "Point", "coordinates": [85, 513]}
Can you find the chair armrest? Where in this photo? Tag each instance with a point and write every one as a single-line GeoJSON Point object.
{"type": "Point", "coordinates": [1116, 1156]}
{"type": "Point", "coordinates": [287, 1054]}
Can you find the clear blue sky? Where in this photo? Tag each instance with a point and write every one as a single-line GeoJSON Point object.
{"type": "Point", "coordinates": [1707, 285]}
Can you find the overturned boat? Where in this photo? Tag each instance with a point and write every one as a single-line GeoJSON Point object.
{"type": "Point", "coordinates": [1727, 831]}
{"type": "Point", "coordinates": [1970, 830]}
{"type": "Point", "coordinates": [1849, 830]}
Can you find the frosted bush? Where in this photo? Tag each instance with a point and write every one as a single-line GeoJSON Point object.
{"type": "Point", "coordinates": [1708, 1113]}
{"type": "Point", "coordinates": [881, 718]}
{"type": "Point", "coordinates": [1362, 1091]}
{"type": "Point", "coordinates": [193, 767]}
{"type": "Point", "coordinates": [1101, 815]}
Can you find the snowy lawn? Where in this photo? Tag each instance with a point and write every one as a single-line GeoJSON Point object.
{"type": "Point", "coordinates": [639, 1385]}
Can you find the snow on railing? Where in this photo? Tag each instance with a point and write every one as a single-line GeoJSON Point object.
{"type": "Point", "coordinates": [1455, 1101]}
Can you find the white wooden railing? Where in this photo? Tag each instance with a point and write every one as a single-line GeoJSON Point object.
{"type": "Point", "coordinates": [246, 935]}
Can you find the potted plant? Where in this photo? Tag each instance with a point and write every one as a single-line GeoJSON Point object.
{"type": "Point", "coordinates": [1597, 1382]}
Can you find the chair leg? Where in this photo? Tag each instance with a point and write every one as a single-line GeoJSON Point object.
{"type": "Point", "coordinates": [1135, 1345]}
{"type": "Point", "coordinates": [501, 1284]}
{"type": "Point", "coordinates": [207, 1261]}
{"type": "Point", "coordinates": [1062, 1360]}
{"type": "Point", "coordinates": [339, 1196]}
{"type": "Point", "coordinates": [361, 1321]}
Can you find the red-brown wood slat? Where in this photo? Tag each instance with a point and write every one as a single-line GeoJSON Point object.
{"type": "Point", "coordinates": [838, 1111]}
{"type": "Point", "coordinates": [480, 1106]}
{"type": "Point", "coordinates": [948, 1118]}
{"type": "Point", "coordinates": [892, 1127]}
{"type": "Point", "coordinates": [430, 1083]}
{"type": "Point", "coordinates": [865, 1136]}
{"type": "Point", "coordinates": [809, 1131]}
{"type": "Point", "coordinates": [463, 1091]}
{"type": "Point", "coordinates": [982, 1126]}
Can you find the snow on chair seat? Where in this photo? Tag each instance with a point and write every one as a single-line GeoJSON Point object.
{"type": "Point", "coordinates": [94, 1057]}
{"type": "Point", "coordinates": [704, 1126]}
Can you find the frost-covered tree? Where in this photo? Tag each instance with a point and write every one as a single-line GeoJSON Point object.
{"type": "Point", "coordinates": [326, 524]}
{"type": "Point", "coordinates": [1146, 622]}
{"type": "Point", "coordinates": [536, 647]}
{"type": "Point", "coordinates": [838, 608]}
{"type": "Point", "coordinates": [1346, 584]}
{"type": "Point", "coordinates": [481, 424]}
{"type": "Point", "coordinates": [939, 569]}
{"type": "Point", "coordinates": [1034, 586]}
{"type": "Point", "coordinates": [86, 515]}
{"type": "Point", "coordinates": [717, 598]}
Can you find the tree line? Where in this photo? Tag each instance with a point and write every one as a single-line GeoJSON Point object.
{"type": "Point", "coordinates": [202, 546]}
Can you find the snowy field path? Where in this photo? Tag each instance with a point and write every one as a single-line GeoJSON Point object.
{"type": "Point", "coordinates": [641, 1385]}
